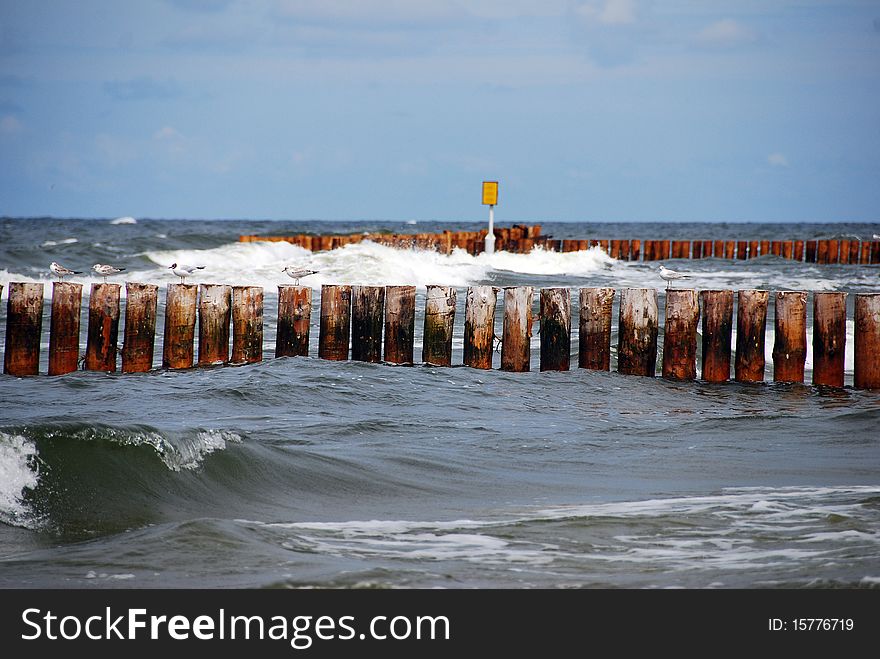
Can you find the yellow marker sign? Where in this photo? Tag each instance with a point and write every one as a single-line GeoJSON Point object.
{"type": "Point", "coordinates": [490, 193]}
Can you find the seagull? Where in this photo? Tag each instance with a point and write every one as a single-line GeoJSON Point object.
{"type": "Point", "coordinates": [184, 271]}
{"type": "Point", "coordinates": [668, 275]}
{"type": "Point", "coordinates": [106, 270]}
{"type": "Point", "coordinates": [297, 273]}
{"type": "Point", "coordinates": [61, 271]}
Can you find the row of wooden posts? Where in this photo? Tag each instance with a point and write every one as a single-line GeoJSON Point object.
{"type": "Point", "coordinates": [359, 316]}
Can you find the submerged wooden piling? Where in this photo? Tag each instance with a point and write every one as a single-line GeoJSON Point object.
{"type": "Point", "coordinates": [247, 324]}
{"type": "Point", "coordinates": [751, 323]}
{"type": "Point", "coordinates": [479, 326]}
{"type": "Point", "coordinates": [439, 319]}
{"type": "Point", "coordinates": [214, 315]}
{"type": "Point", "coordinates": [335, 322]}
{"type": "Point", "coordinates": [367, 308]}
{"type": "Point", "coordinates": [517, 330]}
{"type": "Point", "coordinates": [829, 338]}
{"type": "Point", "coordinates": [400, 322]}
{"type": "Point", "coordinates": [103, 327]}
{"type": "Point", "coordinates": [637, 332]}
{"type": "Point", "coordinates": [717, 332]}
{"type": "Point", "coordinates": [24, 322]}
{"type": "Point", "coordinates": [680, 334]}
{"type": "Point", "coordinates": [64, 327]}
{"type": "Point", "coordinates": [555, 329]}
{"type": "Point", "coordinates": [594, 331]}
{"type": "Point", "coordinates": [294, 316]}
{"type": "Point", "coordinates": [141, 301]}
{"type": "Point", "coordinates": [180, 325]}
{"type": "Point", "coordinates": [790, 337]}
{"type": "Point", "coordinates": [866, 373]}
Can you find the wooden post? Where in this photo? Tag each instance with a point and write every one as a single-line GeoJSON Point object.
{"type": "Point", "coordinates": [637, 332]}
{"type": "Point", "coordinates": [798, 250]}
{"type": "Point", "coordinates": [697, 249]}
{"type": "Point", "coordinates": [247, 324]}
{"type": "Point", "coordinates": [865, 256]}
{"type": "Point", "coordinates": [367, 309]}
{"type": "Point", "coordinates": [24, 326]}
{"type": "Point", "coordinates": [680, 334]}
{"type": "Point", "coordinates": [765, 247]}
{"type": "Point", "coordinates": [707, 249]}
{"type": "Point", "coordinates": [103, 327]}
{"type": "Point", "coordinates": [717, 331]}
{"type": "Point", "coordinates": [555, 329]}
{"type": "Point", "coordinates": [439, 321]}
{"type": "Point", "coordinates": [335, 322]}
{"type": "Point", "coordinates": [64, 327]}
{"type": "Point", "coordinates": [400, 321]}
{"type": "Point", "coordinates": [829, 338]}
{"type": "Point", "coordinates": [214, 314]}
{"type": "Point", "coordinates": [180, 325]}
{"type": "Point", "coordinates": [754, 249]}
{"type": "Point", "coordinates": [822, 251]}
{"type": "Point", "coordinates": [787, 249]}
{"type": "Point", "coordinates": [867, 341]}
{"type": "Point", "coordinates": [635, 250]}
{"type": "Point", "coordinates": [751, 323]}
{"type": "Point", "coordinates": [517, 332]}
{"type": "Point", "coordinates": [294, 316]}
{"type": "Point", "coordinates": [742, 250]}
{"type": "Point", "coordinates": [479, 326]}
{"type": "Point", "coordinates": [594, 349]}
{"type": "Point", "coordinates": [833, 251]}
{"type": "Point", "coordinates": [718, 249]}
{"type": "Point", "coordinates": [854, 251]}
{"type": "Point", "coordinates": [790, 338]}
{"type": "Point", "coordinates": [665, 252]}
{"type": "Point", "coordinates": [811, 247]}
{"type": "Point", "coordinates": [729, 249]}
{"type": "Point", "coordinates": [141, 301]}
{"type": "Point", "coordinates": [844, 252]}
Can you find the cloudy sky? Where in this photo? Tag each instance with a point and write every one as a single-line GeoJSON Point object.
{"type": "Point", "coordinates": [584, 110]}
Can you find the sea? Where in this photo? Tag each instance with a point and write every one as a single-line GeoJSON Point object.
{"type": "Point", "coordinates": [303, 473]}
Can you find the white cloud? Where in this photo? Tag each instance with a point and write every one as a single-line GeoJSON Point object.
{"type": "Point", "coordinates": [777, 160]}
{"type": "Point", "coordinates": [726, 33]}
{"type": "Point", "coordinates": [9, 125]}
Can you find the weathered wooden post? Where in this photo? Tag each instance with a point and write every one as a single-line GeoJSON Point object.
{"type": "Point", "coordinates": [754, 249]}
{"type": "Point", "coordinates": [594, 332]}
{"type": "Point", "coordinates": [517, 330]}
{"type": "Point", "coordinates": [790, 338]}
{"type": "Point", "coordinates": [247, 324]}
{"type": "Point", "coordinates": [866, 373]}
{"type": "Point", "coordinates": [24, 326]}
{"type": "Point", "coordinates": [180, 325]}
{"type": "Point", "coordinates": [367, 309]}
{"type": "Point", "coordinates": [555, 329]}
{"type": "Point", "coordinates": [294, 316]}
{"type": "Point", "coordinates": [141, 301]}
{"type": "Point", "coordinates": [829, 338]}
{"type": "Point", "coordinates": [680, 334]}
{"type": "Point", "coordinates": [439, 320]}
{"type": "Point", "coordinates": [742, 250]}
{"type": "Point", "coordinates": [400, 322]}
{"type": "Point", "coordinates": [64, 327]}
{"type": "Point", "coordinates": [214, 315]}
{"type": "Point", "coordinates": [637, 332]}
{"type": "Point", "coordinates": [103, 327]}
{"type": "Point", "coordinates": [717, 332]}
{"type": "Point", "coordinates": [479, 326]}
{"type": "Point", "coordinates": [751, 323]}
{"type": "Point", "coordinates": [335, 322]}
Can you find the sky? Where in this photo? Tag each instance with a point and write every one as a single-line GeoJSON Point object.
{"type": "Point", "coordinates": [583, 110]}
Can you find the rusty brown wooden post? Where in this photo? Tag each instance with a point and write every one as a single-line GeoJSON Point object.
{"type": "Point", "coordinates": [790, 337]}
{"type": "Point", "coordinates": [247, 324]}
{"type": "Point", "coordinates": [697, 249]}
{"type": "Point", "coordinates": [681, 249]}
{"type": "Point", "coordinates": [637, 332]}
{"type": "Point", "coordinates": [729, 249]}
{"type": "Point", "coordinates": [718, 249]}
{"type": "Point", "coordinates": [680, 334]}
{"type": "Point", "coordinates": [765, 247]}
{"type": "Point", "coordinates": [751, 323]}
{"type": "Point", "coordinates": [24, 324]}
{"type": "Point", "coordinates": [865, 256]}
{"type": "Point", "coordinates": [141, 301]}
{"type": "Point", "coordinates": [811, 251]}
{"type": "Point", "coordinates": [335, 322]}
{"type": "Point", "coordinates": [517, 331]}
{"type": "Point", "coordinates": [875, 251]}
{"type": "Point", "coordinates": [717, 331]}
{"type": "Point", "coordinates": [294, 316]}
{"type": "Point", "coordinates": [439, 321]}
{"type": "Point", "coordinates": [798, 250]}
{"type": "Point", "coordinates": [367, 310]}
{"type": "Point", "coordinates": [635, 250]}
{"type": "Point", "coordinates": [707, 249]}
{"type": "Point", "coordinates": [754, 249]}
{"type": "Point", "coordinates": [742, 250]}
{"type": "Point", "coordinates": [844, 252]}
{"type": "Point", "coordinates": [103, 327]}
{"type": "Point", "coordinates": [614, 251]}
{"type": "Point", "coordinates": [822, 251]}
{"type": "Point", "coordinates": [400, 320]}
{"type": "Point", "coordinates": [833, 251]}
{"type": "Point", "coordinates": [854, 251]}
{"type": "Point", "coordinates": [866, 373]}
{"type": "Point", "coordinates": [787, 249]}
{"type": "Point", "coordinates": [64, 327]}
{"type": "Point", "coordinates": [665, 249]}
{"type": "Point", "coordinates": [214, 315]}
{"type": "Point", "coordinates": [180, 325]}
{"type": "Point", "coordinates": [555, 329]}
{"type": "Point", "coordinates": [776, 247]}
{"type": "Point", "coordinates": [594, 335]}
{"type": "Point", "coordinates": [479, 326]}
{"type": "Point", "coordinates": [829, 338]}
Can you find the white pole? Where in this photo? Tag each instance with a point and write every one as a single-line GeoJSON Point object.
{"type": "Point", "coordinates": [490, 237]}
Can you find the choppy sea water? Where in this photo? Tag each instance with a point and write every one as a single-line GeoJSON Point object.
{"type": "Point", "coordinates": [300, 473]}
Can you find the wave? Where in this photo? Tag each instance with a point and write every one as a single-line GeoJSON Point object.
{"type": "Point", "coordinates": [65, 241]}
{"type": "Point", "coordinates": [124, 220]}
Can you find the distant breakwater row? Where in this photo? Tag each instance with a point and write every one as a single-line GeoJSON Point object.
{"type": "Point", "coordinates": [357, 322]}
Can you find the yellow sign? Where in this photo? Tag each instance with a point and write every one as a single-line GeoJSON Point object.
{"type": "Point", "coordinates": [490, 193]}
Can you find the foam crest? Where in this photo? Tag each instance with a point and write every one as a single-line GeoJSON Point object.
{"type": "Point", "coordinates": [19, 471]}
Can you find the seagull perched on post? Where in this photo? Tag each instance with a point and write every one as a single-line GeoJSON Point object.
{"type": "Point", "coordinates": [668, 275]}
{"type": "Point", "coordinates": [297, 273]}
{"type": "Point", "coordinates": [106, 270]}
{"type": "Point", "coordinates": [61, 271]}
{"type": "Point", "coordinates": [184, 271]}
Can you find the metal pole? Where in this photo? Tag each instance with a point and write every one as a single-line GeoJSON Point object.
{"type": "Point", "coordinates": [490, 237]}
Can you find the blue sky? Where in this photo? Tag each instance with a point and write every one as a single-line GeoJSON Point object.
{"type": "Point", "coordinates": [584, 110]}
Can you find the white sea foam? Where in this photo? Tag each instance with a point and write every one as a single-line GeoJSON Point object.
{"type": "Point", "coordinates": [19, 471]}
{"type": "Point", "coordinates": [124, 220]}
{"type": "Point", "coordinates": [65, 241]}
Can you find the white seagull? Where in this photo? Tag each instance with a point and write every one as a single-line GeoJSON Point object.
{"type": "Point", "coordinates": [184, 271]}
{"type": "Point", "coordinates": [61, 271]}
{"type": "Point", "coordinates": [668, 275]}
{"type": "Point", "coordinates": [106, 270]}
{"type": "Point", "coordinates": [297, 273]}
